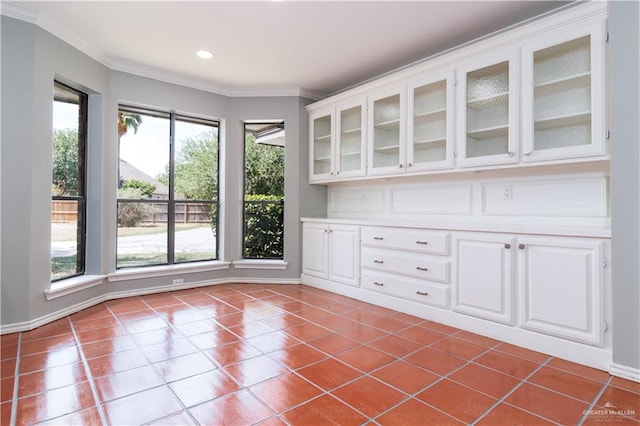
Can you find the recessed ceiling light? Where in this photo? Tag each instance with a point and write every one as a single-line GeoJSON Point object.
{"type": "Point", "coordinates": [204, 54]}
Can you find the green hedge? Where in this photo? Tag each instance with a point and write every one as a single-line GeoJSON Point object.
{"type": "Point", "coordinates": [263, 227]}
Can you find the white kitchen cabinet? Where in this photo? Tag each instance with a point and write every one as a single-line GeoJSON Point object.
{"type": "Point", "coordinates": [556, 286]}
{"type": "Point", "coordinates": [322, 144]}
{"type": "Point", "coordinates": [351, 143]}
{"type": "Point", "coordinates": [561, 287]}
{"type": "Point", "coordinates": [408, 263]}
{"type": "Point", "coordinates": [563, 100]}
{"type": "Point", "coordinates": [338, 143]}
{"type": "Point", "coordinates": [488, 110]}
{"type": "Point", "coordinates": [331, 252]}
{"type": "Point", "coordinates": [430, 123]}
{"type": "Point", "coordinates": [484, 277]}
{"type": "Point", "coordinates": [386, 131]}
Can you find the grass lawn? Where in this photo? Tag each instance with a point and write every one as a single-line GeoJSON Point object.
{"type": "Point", "coordinates": [67, 231]}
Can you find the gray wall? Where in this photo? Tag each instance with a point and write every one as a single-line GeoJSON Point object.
{"type": "Point", "coordinates": [31, 59]}
{"type": "Point", "coordinates": [624, 113]}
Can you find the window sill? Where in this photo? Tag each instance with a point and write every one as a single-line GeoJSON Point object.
{"type": "Point", "coordinates": [72, 285]}
{"type": "Point", "coordinates": [260, 264]}
{"type": "Point", "coordinates": [165, 270]}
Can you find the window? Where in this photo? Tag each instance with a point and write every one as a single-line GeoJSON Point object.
{"type": "Point", "coordinates": [263, 191]}
{"type": "Point", "coordinates": [167, 189]}
{"type": "Point", "coordinates": [68, 197]}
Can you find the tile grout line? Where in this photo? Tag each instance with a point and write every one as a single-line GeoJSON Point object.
{"type": "Point", "coordinates": [441, 377]}
{"type": "Point", "coordinates": [85, 364]}
{"type": "Point", "coordinates": [512, 391]}
{"type": "Point", "coordinates": [16, 383]}
{"type": "Point", "coordinates": [139, 348]}
{"type": "Point", "coordinates": [595, 400]}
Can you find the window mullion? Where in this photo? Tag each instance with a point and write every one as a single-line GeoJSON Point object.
{"type": "Point", "coordinates": [171, 207]}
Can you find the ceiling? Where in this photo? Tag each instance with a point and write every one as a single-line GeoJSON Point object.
{"type": "Point", "coordinates": [274, 47]}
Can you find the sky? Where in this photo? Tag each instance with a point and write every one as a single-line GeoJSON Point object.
{"type": "Point", "coordinates": [147, 149]}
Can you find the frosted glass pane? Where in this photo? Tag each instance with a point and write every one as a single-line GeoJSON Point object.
{"type": "Point", "coordinates": [488, 111]}
{"type": "Point", "coordinates": [562, 95]}
{"type": "Point", "coordinates": [488, 81]}
{"type": "Point", "coordinates": [387, 109]}
{"type": "Point", "coordinates": [563, 60]}
{"type": "Point", "coordinates": [572, 97]}
{"type": "Point", "coordinates": [566, 134]}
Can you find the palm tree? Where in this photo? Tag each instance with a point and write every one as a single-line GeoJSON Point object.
{"type": "Point", "coordinates": [126, 121]}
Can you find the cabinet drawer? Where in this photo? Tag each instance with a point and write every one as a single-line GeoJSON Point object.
{"type": "Point", "coordinates": [416, 290]}
{"type": "Point", "coordinates": [409, 264]}
{"type": "Point", "coordinates": [418, 240]}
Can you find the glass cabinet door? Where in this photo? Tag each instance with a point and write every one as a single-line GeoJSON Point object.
{"type": "Point", "coordinates": [386, 132]}
{"type": "Point", "coordinates": [351, 143]}
{"type": "Point", "coordinates": [429, 127]}
{"type": "Point", "coordinates": [488, 113]}
{"type": "Point", "coordinates": [321, 167]}
{"type": "Point", "coordinates": [562, 118]}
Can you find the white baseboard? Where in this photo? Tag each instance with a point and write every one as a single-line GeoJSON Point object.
{"type": "Point", "coordinates": [625, 372]}
{"type": "Point", "coordinates": [45, 319]}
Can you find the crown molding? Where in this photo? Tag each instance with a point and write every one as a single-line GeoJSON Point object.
{"type": "Point", "coordinates": [13, 10]}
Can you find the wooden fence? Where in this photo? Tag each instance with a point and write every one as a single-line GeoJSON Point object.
{"type": "Point", "coordinates": [67, 211]}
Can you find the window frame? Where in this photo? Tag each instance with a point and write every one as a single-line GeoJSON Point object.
{"type": "Point", "coordinates": [81, 197]}
{"type": "Point", "coordinates": [171, 201]}
{"type": "Point", "coordinates": [246, 123]}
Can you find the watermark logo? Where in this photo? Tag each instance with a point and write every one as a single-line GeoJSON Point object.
{"type": "Point", "coordinates": [610, 413]}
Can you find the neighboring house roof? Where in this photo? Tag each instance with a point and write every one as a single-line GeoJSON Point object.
{"type": "Point", "coordinates": [128, 172]}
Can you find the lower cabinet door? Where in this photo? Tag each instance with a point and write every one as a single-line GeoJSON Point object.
{"type": "Point", "coordinates": [561, 285]}
{"type": "Point", "coordinates": [483, 281]}
{"type": "Point", "coordinates": [344, 254]}
{"type": "Point", "coordinates": [407, 288]}
{"type": "Point", "coordinates": [315, 250]}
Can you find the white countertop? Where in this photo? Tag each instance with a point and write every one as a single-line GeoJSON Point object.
{"type": "Point", "coordinates": [510, 228]}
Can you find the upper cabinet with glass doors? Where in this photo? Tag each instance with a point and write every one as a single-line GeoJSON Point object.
{"type": "Point", "coordinates": [430, 124]}
{"type": "Point", "coordinates": [488, 110]}
{"type": "Point", "coordinates": [563, 95]}
{"type": "Point", "coordinates": [338, 142]}
{"type": "Point", "coordinates": [322, 145]}
{"type": "Point", "coordinates": [387, 121]}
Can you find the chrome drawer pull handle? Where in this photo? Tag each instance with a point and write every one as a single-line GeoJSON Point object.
{"type": "Point", "coordinates": [422, 293]}
{"type": "Point", "coordinates": [378, 284]}
{"type": "Point", "coordinates": [378, 238]}
{"type": "Point", "coordinates": [378, 261]}
{"type": "Point", "coordinates": [422, 242]}
{"type": "Point", "coordinates": [420, 268]}
{"type": "Point", "coordinates": [507, 246]}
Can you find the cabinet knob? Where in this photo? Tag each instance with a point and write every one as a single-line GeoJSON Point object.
{"type": "Point", "coordinates": [400, 165]}
{"type": "Point", "coordinates": [422, 293]}
{"type": "Point", "coordinates": [527, 153]}
{"type": "Point", "coordinates": [378, 284]}
{"type": "Point", "coordinates": [378, 261]}
{"type": "Point", "coordinates": [410, 165]}
{"type": "Point", "coordinates": [511, 154]}
{"type": "Point", "coordinates": [507, 246]}
{"type": "Point", "coordinates": [338, 172]}
{"type": "Point", "coordinates": [331, 173]}
{"type": "Point", "coordinates": [521, 246]}
{"type": "Point", "coordinates": [422, 242]}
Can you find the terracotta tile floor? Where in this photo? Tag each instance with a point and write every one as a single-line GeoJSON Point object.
{"type": "Point", "coordinates": [246, 354]}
